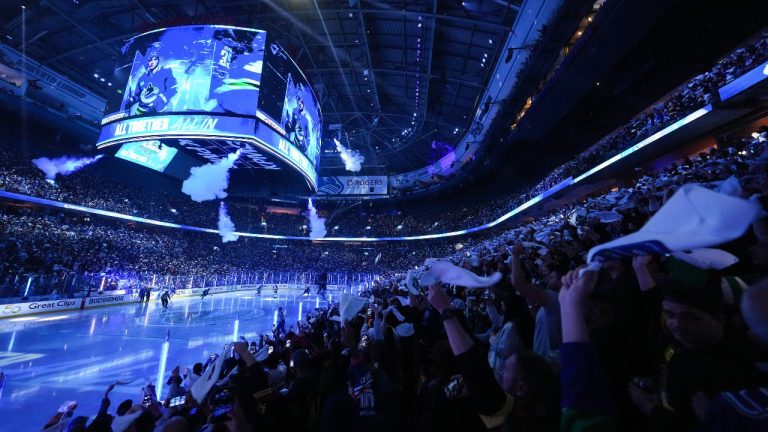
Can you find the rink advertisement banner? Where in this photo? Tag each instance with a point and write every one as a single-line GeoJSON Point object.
{"type": "Point", "coordinates": [121, 296]}
{"type": "Point", "coordinates": [352, 185]}
{"type": "Point", "coordinates": [18, 309]}
{"type": "Point", "coordinates": [112, 299]}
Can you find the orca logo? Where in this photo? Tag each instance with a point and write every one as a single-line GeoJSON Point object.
{"type": "Point", "coordinates": [330, 186]}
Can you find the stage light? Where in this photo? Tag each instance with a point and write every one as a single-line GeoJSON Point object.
{"type": "Point", "coordinates": [29, 282]}
{"type": "Point", "coordinates": [161, 365]}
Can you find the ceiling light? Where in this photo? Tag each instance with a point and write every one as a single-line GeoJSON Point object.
{"type": "Point", "coordinates": [95, 75]}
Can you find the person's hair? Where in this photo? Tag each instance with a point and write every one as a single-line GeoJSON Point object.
{"type": "Point", "coordinates": [754, 303]}
{"type": "Point", "coordinates": [538, 376]}
{"type": "Point", "coordinates": [124, 407]}
{"type": "Point", "coordinates": [197, 369]}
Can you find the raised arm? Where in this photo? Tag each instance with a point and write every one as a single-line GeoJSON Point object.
{"type": "Point", "coordinates": [533, 295]}
{"type": "Point", "coordinates": [643, 273]}
{"type": "Point", "coordinates": [586, 395]}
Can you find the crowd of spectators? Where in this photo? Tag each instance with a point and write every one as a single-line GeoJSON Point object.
{"type": "Point", "coordinates": [651, 342]}
{"type": "Point", "coordinates": [696, 93]}
{"type": "Point", "coordinates": [61, 250]}
{"type": "Point", "coordinates": [86, 186]}
{"type": "Point", "coordinates": [658, 342]}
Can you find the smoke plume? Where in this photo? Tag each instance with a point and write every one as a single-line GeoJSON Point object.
{"type": "Point", "coordinates": [209, 181]}
{"type": "Point", "coordinates": [353, 160]}
{"type": "Point", "coordinates": [226, 227]}
{"type": "Point", "coordinates": [64, 165]}
{"type": "Point", "coordinates": [316, 224]}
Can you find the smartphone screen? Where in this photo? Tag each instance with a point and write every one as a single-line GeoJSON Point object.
{"type": "Point", "coordinates": [180, 400]}
{"type": "Point", "coordinates": [146, 401]}
{"type": "Point", "coordinates": [223, 404]}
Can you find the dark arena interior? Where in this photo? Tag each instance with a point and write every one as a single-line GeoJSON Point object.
{"type": "Point", "coordinates": [376, 215]}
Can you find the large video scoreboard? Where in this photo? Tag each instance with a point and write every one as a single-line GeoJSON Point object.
{"type": "Point", "coordinates": [208, 91]}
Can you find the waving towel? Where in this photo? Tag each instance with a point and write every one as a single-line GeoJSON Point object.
{"type": "Point", "coordinates": [706, 258]}
{"type": "Point", "coordinates": [350, 305]}
{"type": "Point", "coordinates": [209, 377]}
{"type": "Point", "coordinates": [695, 217]}
{"type": "Point", "coordinates": [443, 271]}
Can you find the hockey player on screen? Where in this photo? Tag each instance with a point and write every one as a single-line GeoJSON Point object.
{"type": "Point", "coordinates": [155, 88]}
{"type": "Point", "coordinates": [298, 125]}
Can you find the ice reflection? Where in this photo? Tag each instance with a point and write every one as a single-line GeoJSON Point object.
{"type": "Point", "coordinates": [119, 343]}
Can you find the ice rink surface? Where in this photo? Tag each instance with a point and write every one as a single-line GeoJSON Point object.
{"type": "Point", "coordinates": [75, 355]}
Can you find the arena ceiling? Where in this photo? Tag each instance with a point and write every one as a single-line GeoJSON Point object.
{"type": "Point", "coordinates": [396, 75]}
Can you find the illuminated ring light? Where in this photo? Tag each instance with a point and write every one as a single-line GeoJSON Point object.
{"type": "Point", "coordinates": [570, 181]}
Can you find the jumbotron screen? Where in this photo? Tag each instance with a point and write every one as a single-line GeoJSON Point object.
{"type": "Point", "coordinates": [206, 83]}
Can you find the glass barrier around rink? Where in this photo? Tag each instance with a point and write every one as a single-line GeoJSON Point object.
{"type": "Point", "coordinates": [22, 287]}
